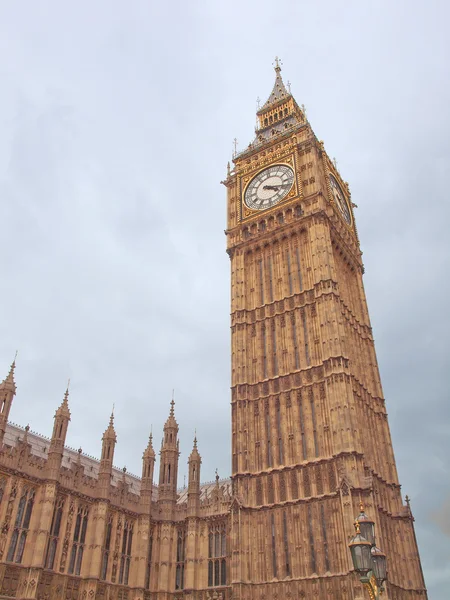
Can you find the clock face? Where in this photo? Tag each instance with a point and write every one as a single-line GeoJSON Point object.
{"type": "Point", "coordinates": [340, 200]}
{"type": "Point", "coordinates": [268, 187]}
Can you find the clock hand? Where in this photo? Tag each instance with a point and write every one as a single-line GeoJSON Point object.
{"type": "Point", "coordinates": [271, 187]}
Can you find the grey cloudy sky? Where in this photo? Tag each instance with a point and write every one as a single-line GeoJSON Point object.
{"type": "Point", "coordinates": [117, 120]}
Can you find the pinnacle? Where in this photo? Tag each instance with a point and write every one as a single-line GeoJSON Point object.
{"type": "Point", "coordinates": [64, 406]}
{"type": "Point", "coordinates": [110, 431]}
{"type": "Point", "coordinates": [149, 451]}
{"type": "Point", "coordinates": [171, 421]}
{"type": "Point", "coordinates": [194, 447]}
{"type": "Point", "coordinates": [8, 382]}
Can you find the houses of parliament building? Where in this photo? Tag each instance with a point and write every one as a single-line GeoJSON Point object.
{"type": "Point", "coordinates": [310, 435]}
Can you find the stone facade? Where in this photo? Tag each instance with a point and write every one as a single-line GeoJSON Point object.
{"type": "Point", "coordinates": [310, 437]}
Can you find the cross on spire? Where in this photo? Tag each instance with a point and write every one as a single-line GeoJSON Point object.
{"type": "Point", "coordinates": [278, 62]}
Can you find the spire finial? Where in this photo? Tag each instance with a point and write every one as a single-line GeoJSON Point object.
{"type": "Point", "coordinates": [172, 404]}
{"type": "Point", "coordinates": [408, 501]}
{"type": "Point", "coordinates": [235, 144]}
{"type": "Point", "coordinates": [150, 439]}
{"type": "Point", "coordinates": [195, 438]}
{"type": "Point", "coordinates": [111, 418]}
{"type": "Point", "coordinates": [361, 506]}
{"type": "Point", "coordinates": [278, 62]}
{"type": "Point", "coordinates": [357, 529]}
{"type": "Point", "coordinates": [66, 394]}
{"type": "Point", "coordinates": [217, 476]}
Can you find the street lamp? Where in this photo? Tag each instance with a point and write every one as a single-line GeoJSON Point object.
{"type": "Point", "coordinates": [368, 560]}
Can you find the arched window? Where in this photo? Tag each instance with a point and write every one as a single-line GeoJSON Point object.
{"type": "Point", "coordinates": [179, 574]}
{"type": "Point", "coordinates": [217, 555]}
{"type": "Point", "coordinates": [54, 534]}
{"type": "Point", "coordinates": [21, 526]}
{"type": "Point", "coordinates": [79, 539]}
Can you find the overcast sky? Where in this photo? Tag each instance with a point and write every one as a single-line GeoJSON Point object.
{"type": "Point", "coordinates": [117, 120]}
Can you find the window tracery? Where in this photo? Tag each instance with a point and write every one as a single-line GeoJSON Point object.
{"type": "Point", "coordinates": [217, 553]}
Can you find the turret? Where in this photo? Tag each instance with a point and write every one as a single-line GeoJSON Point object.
{"type": "Point", "coordinates": [194, 463]}
{"type": "Point", "coordinates": [55, 453]}
{"type": "Point", "coordinates": [168, 468]}
{"type": "Point", "coordinates": [7, 393]}
{"type": "Point", "coordinates": [148, 466]}
{"type": "Point", "coordinates": [109, 440]}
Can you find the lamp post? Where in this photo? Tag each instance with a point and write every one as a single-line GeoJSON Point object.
{"type": "Point", "coordinates": [368, 560]}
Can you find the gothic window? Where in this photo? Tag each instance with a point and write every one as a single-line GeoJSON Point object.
{"type": "Point", "coordinates": [311, 541]}
{"type": "Point", "coordinates": [313, 416]}
{"type": "Point", "coordinates": [274, 349]}
{"type": "Point", "coordinates": [280, 438]}
{"type": "Point", "coordinates": [217, 555]}
{"type": "Point", "coordinates": [306, 482]}
{"type": "Point", "coordinates": [332, 477]}
{"type": "Point", "coordinates": [302, 426]}
{"type": "Point", "coordinates": [179, 574]}
{"type": "Point", "coordinates": [325, 541]}
{"type": "Point", "coordinates": [149, 563]}
{"type": "Point", "coordinates": [107, 547]}
{"type": "Point", "coordinates": [269, 446]}
{"type": "Point", "coordinates": [79, 539]}
{"type": "Point", "coordinates": [286, 546]}
{"type": "Point", "coordinates": [54, 533]}
{"type": "Point", "coordinates": [299, 265]}
{"type": "Point", "coordinates": [282, 488]}
{"type": "Point", "coordinates": [264, 351]}
{"type": "Point", "coordinates": [319, 481]}
{"type": "Point", "coordinates": [294, 485]}
{"type": "Point", "coordinates": [288, 261]}
{"type": "Point", "coordinates": [21, 526]}
{"type": "Point", "coordinates": [269, 260]}
{"type": "Point", "coordinates": [274, 553]}
{"type": "Point", "coordinates": [295, 342]}
{"type": "Point", "coordinates": [261, 281]}
{"type": "Point", "coordinates": [305, 334]}
{"type": "Point", "coordinates": [270, 490]}
{"type": "Point", "coordinates": [259, 500]}
{"type": "Point", "coordinates": [125, 557]}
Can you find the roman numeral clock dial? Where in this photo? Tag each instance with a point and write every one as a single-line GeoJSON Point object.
{"type": "Point", "coordinates": [269, 187]}
{"type": "Point", "coordinates": [340, 200]}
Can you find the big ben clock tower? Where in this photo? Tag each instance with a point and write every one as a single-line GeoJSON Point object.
{"type": "Point", "coordinates": [310, 436]}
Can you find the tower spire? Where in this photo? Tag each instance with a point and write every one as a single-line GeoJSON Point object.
{"type": "Point", "coordinates": [8, 382]}
{"type": "Point", "coordinates": [7, 393]}
{"type": "Point", "coordinates": [279, 91]}
{"type": "Point", "coordinates": [194, 464]}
